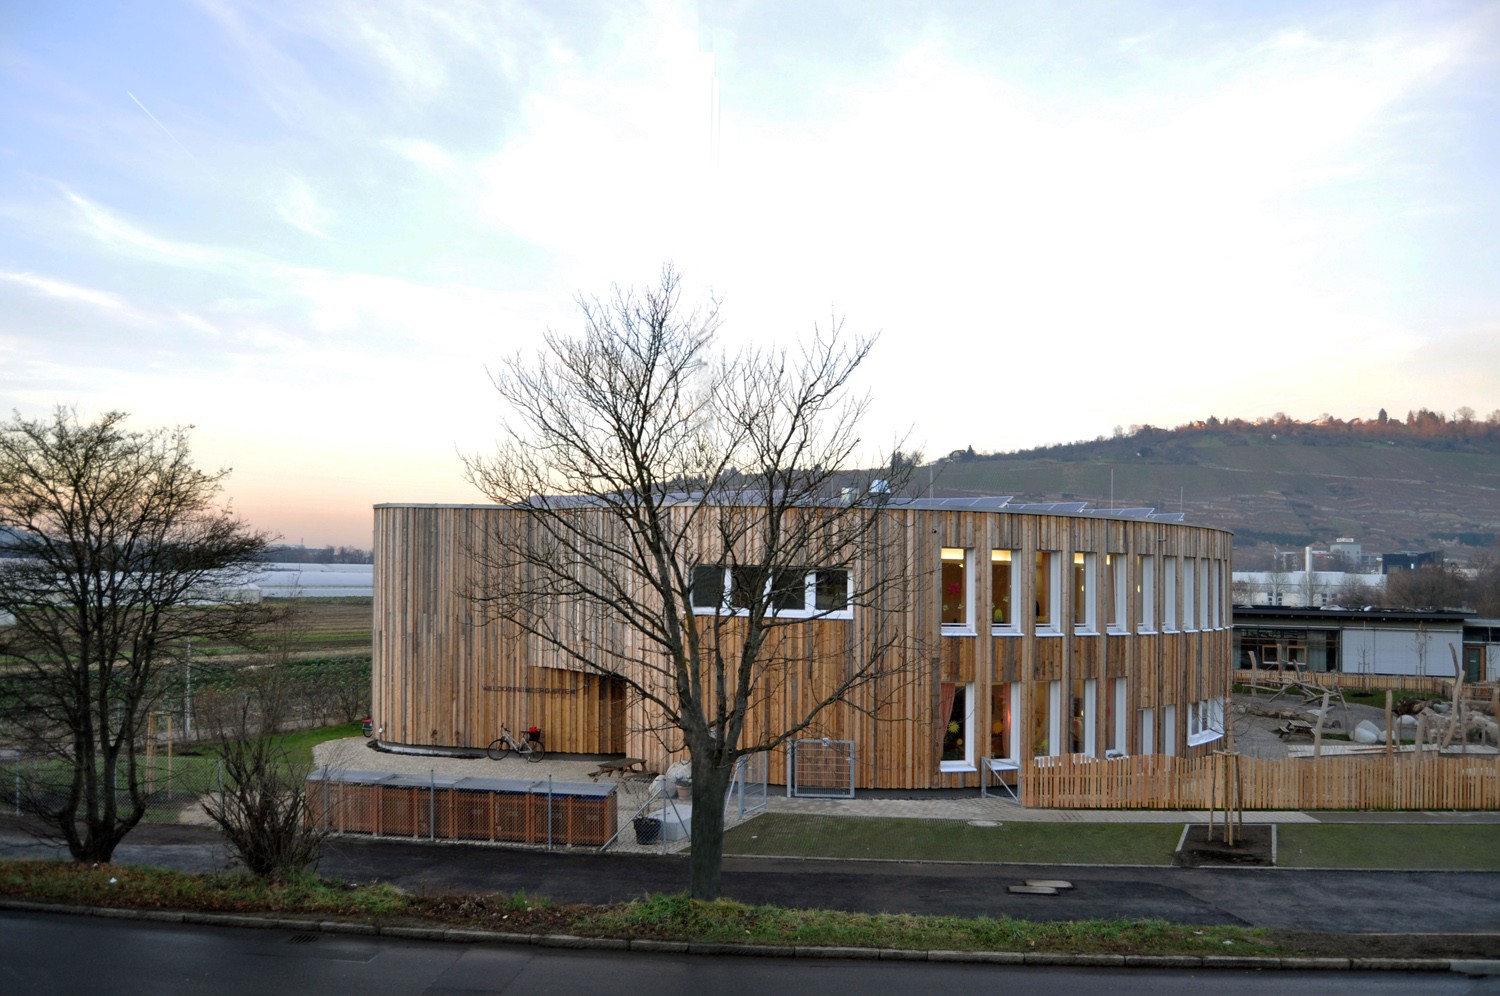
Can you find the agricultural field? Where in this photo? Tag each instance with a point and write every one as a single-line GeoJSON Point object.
{"type": "Point", "coordinates": [324, 627]}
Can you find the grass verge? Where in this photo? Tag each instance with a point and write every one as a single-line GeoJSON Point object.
{"type": "Point", "coordinates": [677, 918]}
{"type": "Point", "coordinates": [670, 918]}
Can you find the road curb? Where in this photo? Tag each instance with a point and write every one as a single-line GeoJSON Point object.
{"type": "Point", "coordinates": [569, 941]}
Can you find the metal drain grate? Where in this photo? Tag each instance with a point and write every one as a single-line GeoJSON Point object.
{"type": "Point", "coordinates": [302, 938]}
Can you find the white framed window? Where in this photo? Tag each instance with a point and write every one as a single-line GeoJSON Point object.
{"type": "Point", "coordinates": [1115, 727]}
{"type": "Point", "coordinates": [1145, 590]}
{"type": "Point", "coordinates": [1046, 705]}
{"type": "Point", "coordinates": [1005, 703]}
{"type": "Point", "coordinates": [1083, 718]}
{"type": "Point", "coordinates": [1048, 582]}
{"type": "Point", "coordinates": [958, 727]}
{"type": "Point", "coordinates": [1218, 594]}
{"type": "Point", "coordinates": [1148, 731]}
{"type": "Point", "coordinates": [1003, 618]}
{"type": "Point", "coordinates": [1169, 730]}
{"type": "Point", "coordinates": [1205, 597]}
{"type": "Point", "coordinates": [1085, 581]}
{"type": "Point", "coordinates": [1205, 722]}
{"type": "Point", "coordinates": [1169, 594]}
{"type": "Point", "coordinates": [957, 590]}
{"type": "Point", "coordinates": [797, 592]}
{"type": "Point", "coordinates": [1116, 592]}
{"type": "Point", "coordinates": [1189, 594]}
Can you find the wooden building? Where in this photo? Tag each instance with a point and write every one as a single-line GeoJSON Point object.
{"type": "Point", "coordinates": [1038, 631]}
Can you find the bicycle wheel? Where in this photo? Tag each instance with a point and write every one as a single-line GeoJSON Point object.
{"type": "Point", "coordinates": [497, 749]}
{"type": "Point", "coordinates": [536, 752]}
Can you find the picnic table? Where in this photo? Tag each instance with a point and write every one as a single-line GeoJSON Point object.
{"type": "Point", "coordinates": [1295, 728]}
{"type": "Point", "coordinates": [619, 767]}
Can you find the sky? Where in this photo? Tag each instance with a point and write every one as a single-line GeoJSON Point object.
{"type": "Point", "coordinates": [312, 229]}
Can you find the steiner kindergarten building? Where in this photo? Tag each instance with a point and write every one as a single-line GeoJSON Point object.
{"type": "Point", "coordinates": [1047, 630]}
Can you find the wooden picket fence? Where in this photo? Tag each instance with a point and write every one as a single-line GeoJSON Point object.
{"type": "Point", "coordinates": [1402, 780]}
{"type": "Point", "coordinates": [1351, 682]}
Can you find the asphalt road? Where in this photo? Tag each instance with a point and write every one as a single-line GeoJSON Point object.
{"type": "Point", "coordinates": [1340, 901]}
{"type": "Point", "coordinates": [48, 954]}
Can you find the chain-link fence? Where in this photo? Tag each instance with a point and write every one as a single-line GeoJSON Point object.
{"type": "Point", "coordinates": [175, 786]}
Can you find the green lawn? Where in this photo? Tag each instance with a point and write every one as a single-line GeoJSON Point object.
{"type": "Point", "coordinates": [954, 840]}
{"type": "Point", "coordinates": [176, 782]}
{"type": "Point", "coordinates": [1466, 847]}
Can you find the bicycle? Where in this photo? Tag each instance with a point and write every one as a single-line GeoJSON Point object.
{"type": "Point", "coordinates": [505, 743]}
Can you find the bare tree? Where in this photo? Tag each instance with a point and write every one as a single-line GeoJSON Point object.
{"type": "Point", "coordinates": [262, 805]}
{"type": "Point", "coordinates": [121, 557]}
{"type": "Point", "coordinates": [1277, 583]}
{"type": "Point", "coordinates": [1485, 586]}
{"type": "Point", "coordinates": [692, 499]}
{"type": "Point", "coordinates": [1356, 592]}
{"type": "Point", "coordinates": [1430, 586]}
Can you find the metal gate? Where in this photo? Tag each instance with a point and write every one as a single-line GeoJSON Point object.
{"type": "Point", "coordinates": [821, 769]}
{"type": "Point", "coordinates": [751, 785]}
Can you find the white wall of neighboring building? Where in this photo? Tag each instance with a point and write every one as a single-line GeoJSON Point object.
{"type": "Point", "coordinates": [1300, 589]}
{"type": "Point", "coordinates": [1413, 651]}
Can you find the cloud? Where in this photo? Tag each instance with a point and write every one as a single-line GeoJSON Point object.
{"type": "Point", "coordinates": [299, 208]}
{"type": "Point", "coordinates": [106, 226]}
{"type": "Point", "coordinates": [65, 291]}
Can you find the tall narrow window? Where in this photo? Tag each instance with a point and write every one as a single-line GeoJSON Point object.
{"type": "Point", "coordinates": [1218, 594]}
{"type": "Point", "coordinates": [1044, 708]}
{"type": "Point", "coordinates": [958, 727]}
{"type": "Point", "coordinates": [957, 590]}
{"type": "Point", "coordinates": [1114, 723]}
{"type": "Point", "coordinates": [1002, 576]}
{"type": "Point", "coordinates": [1115, 591]}
{"type": "Point", "coordinates": [1190, 594]}
{"type": "Point", "coordinates": [1145, 591]}
{"type": "Point", "coordinates": [1078, 720]}
{"type": "Point", "coordinates": [1046, 591]}
{"type": "Point", "coordinates": [1085, 566]}
{"type": "Point", "coordinates": [1000, 721]}
{"type": "Point", "coordinates": [1169, 593]}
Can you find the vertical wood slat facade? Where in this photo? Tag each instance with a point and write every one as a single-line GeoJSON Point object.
{"type": "Point", "coordinates": [444, 677]}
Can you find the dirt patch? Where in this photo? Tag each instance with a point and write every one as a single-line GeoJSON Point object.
{"type": "Point", "coordinates": [1254, 846]}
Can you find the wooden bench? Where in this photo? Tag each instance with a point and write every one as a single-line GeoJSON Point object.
{"type": "Point", "coordinates": [619, 767]}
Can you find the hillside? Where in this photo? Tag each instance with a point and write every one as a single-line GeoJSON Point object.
{"type": "Point", "coordinates": [1275, 483]}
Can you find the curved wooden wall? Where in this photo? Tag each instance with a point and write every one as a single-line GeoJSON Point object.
{"type": "Point", "coordinates": [445, 678]}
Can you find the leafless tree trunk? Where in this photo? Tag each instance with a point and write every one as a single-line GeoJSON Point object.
{"type": "Point", "coordinates": [705, 505]}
